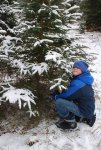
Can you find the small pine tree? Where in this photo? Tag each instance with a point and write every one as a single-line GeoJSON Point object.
{"type": "Point", "coordinates": [47, 50]}
{"type": "Point", "coordinates": [43, 50]}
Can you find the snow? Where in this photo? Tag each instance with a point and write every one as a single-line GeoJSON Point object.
{"type": "Point", "coordinates": [3, 32]}
{"type": "Point", "coordinates": [22, 96]}
{"type": "Point", "coordinates": [14, 95]}
{"type": "Point", "coordinates": [42, 41]}
{"type": "Point", "coordinates": [56, 13]}
{"type": "Point", "coordinates": [52, 55]}
{"type": "Point", "coordinates": [46, 136]}
{"type": "Point", "coordinates": [59, 84]}
{"type": "Point", "coordinates": [7, 45]}
{"type": "Point", "coordinates": [39, 68]}
{"type": "Point", "coordinates": [22, 67]}
{"type": "Point", "coordinates": [73, 7]}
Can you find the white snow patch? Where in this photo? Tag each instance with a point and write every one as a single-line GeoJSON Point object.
{"type": "Point", "coordinates": [39, 68]}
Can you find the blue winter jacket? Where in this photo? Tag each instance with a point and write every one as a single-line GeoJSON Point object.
{"type": "Point", "coordinates": [80, 92]}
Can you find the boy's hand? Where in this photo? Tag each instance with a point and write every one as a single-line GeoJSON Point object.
{"type": "Point", "coordinates": [52, 97]}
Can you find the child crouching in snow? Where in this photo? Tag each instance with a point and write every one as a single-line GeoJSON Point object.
{"type": "Point", "coordinates": [78, 100]}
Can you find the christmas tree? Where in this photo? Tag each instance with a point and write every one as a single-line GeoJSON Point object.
{"type": "Point", "coordinates": [43, 50]}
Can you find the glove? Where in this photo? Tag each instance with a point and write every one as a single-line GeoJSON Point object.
{"type": "Point", "coordinates": [53, 96]}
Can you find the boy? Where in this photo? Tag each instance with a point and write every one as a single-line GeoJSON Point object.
{"type": "Point", "coordinates": [78, 100]}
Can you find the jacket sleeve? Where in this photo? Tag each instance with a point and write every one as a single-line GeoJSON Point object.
{"type": "Point", "coordinates": [72, 89]}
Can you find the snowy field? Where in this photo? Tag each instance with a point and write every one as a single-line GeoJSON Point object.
{"type": "Point", "coordinates": [47, 136]}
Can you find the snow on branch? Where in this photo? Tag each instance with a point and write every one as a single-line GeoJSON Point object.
{"type": "Point", "coordinates": [25, 68]}
{"type": "Point", "coordinates": [55, 57]}
{"type": "Point", "coordinates": [54, 7]}
{"type": "Point", "coordinates": [58, 83]}
{"type": "Point", "coordinates": [56, 13]}
{"type": "Point", "coordinates": [6, 27]}
{"type": "Point", "coordinates": [67, 1]}
{"type": "Point", "coordinates": [52, 55]}
{"type": "Point", "coordinates": [3, 32]}
{"type": "Point", "coordinates": [23, 97]}
{"type": "Point", "coordinates": [37, 43]}
{"type": "Point", "coordinates": [43, 8]}
{"type": "Point", "coordinates": [39, 68]}
{"type": "Point", "coordinates": [21, 66]}
{"type": "Point", "coordinates": [73, 8]}
{"type": "Point", "coordinates": [8, 45]}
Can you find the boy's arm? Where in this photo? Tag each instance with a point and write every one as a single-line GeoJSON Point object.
{"type": "Point", "coordinates": [72, 89]}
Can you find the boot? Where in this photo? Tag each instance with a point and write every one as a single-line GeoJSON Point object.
{"type": "Point", "coordinates": [90, 122]}
{"type": "Point", "coordinates": [66, 124]}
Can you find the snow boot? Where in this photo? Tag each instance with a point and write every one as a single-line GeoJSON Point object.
{"type": "Point", "coordinates": [66, 124]}
{"type": "Point", "coordinates": [90, 122]}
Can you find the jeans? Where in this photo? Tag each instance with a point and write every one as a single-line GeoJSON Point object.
{"type": "Point", "coordinates": [67, 109]}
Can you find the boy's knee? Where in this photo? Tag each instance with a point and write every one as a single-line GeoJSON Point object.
{"type": "Point", "coordinates": [59, 102]}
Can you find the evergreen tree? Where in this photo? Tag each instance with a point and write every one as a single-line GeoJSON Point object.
{"type": "Point", "coordinates": [43, 50]}
{"type": "Point", "coordinates": [47, 46]}
{"type": "Point", "coordinates": [91, 13]}
{"type": "Point", "coordinates": [8, 40]}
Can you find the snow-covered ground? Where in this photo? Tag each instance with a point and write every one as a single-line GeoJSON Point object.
{"type": "Point", "coordinates": [47, 136]}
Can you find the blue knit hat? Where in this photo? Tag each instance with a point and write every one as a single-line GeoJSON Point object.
{"type": "Point", "coordinates": [82, 65]}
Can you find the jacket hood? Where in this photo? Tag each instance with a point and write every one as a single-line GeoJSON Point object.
{"type": "Point", "coordinates": [86, 78]}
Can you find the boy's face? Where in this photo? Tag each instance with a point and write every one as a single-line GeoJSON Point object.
{"type": "Point", "coordinates": [76, 71]}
